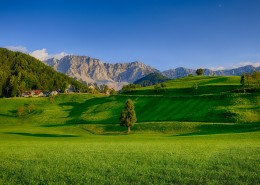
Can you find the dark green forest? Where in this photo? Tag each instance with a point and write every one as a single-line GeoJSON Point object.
{"type": "Point", "coordinates": [151, 79]}
{"type": "Point", "coordinates": [20, 72]}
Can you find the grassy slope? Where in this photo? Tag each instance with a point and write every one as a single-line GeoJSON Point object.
{"type": "Point", "coordinates": [182, 140]}
{"type": "Point", "coordinates": [184, 86]}
{"type": "Point", "coordinates": [99, 113]}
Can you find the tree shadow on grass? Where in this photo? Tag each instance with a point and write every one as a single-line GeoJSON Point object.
{"type": "Point", "coordinates": [78, 109]}
{"type": "Point", "coordinates": [40, 135]}
{"type": "Point", "coordinates": [7, 115]}
{"type": "Point", "coordinates": [12, 114]}
{"type": "Point", "coordinates": [225, 128]}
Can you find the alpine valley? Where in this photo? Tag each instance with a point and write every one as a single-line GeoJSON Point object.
{"type": "Point", "coordinates": [94, 71]}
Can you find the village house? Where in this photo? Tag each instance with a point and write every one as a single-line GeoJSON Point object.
{"type": "Point", "coordinates": [32, 93]}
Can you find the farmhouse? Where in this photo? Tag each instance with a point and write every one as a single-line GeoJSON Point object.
{"type": "Point", "coordinates": [32, 93]}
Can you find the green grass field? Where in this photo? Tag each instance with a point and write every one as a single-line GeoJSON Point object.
{"type": "Point", "coordinates": [212, 137]}
{"type": "Point", "coordinates": [130, 159]}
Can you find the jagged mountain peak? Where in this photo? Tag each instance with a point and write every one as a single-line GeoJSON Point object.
{"type": "Point", "coordinates": [93, 70]}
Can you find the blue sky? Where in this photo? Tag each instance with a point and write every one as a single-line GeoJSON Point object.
{"type": "Point", "coordinates": [161, 33]}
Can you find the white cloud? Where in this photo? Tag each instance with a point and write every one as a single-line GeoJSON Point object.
{"type": "Point", "coordinates": [58, 55]}
{"type": "Point", "coordinates": [17, 48]}
{"type": "Point", "coordinates": [255, 64]}
{"type": "Point", "coordinates": [241, 64]}
{"type": "Point", "coordinates": [217, 68]}
{"type": "Point", "coordinates": [41, 54]}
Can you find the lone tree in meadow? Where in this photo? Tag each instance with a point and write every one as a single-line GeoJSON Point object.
{"type": "Point", "coordinates": [128, 117]}
{"type": "Point", "coordinates": [242, 80]}
{"type": "Point", "coordinates": [199, 71]}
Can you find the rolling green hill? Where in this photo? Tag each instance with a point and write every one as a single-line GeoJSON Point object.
{"type": "Point", "coordinates": [177, 103]}
{"type": "Point", "coordinates": [185, 86]}
{"type": "Point", "coordinates": [181, 137]}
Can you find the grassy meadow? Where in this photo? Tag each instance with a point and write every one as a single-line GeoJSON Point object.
{"type": "Point", "coordinates": [211, 136]}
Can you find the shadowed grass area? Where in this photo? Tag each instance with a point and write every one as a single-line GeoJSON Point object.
{"type": "Point", "coordinates": [206, 129]}
{"type": "Point", "coordinates": [176, 128]}
{"type": "Point", "coordinates": [40, 135]}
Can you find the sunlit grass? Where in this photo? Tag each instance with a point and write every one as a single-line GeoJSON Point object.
{"type": "Point", "coordinates": [131, 159]}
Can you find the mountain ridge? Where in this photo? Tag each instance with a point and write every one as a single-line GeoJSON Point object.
{"type": "Point", "coordinates": [181, 71]}
{"type": "Point", "coordinates": [115, 75]}
{"type": "Point", "coordinates": [91, 70]}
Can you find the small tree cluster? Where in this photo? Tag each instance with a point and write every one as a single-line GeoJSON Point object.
{"type": "Point", "coordinates": [94, 90]}
{"type": "Point", "coordinates": [113, 91]}
{"type": "Point", "coordinates": [25, 109]}
{"type": "Point", "coordinates": [130, 87]}
{"type": "Point", "coordinates": [107, 90]}
{"type": "Point", "coordinates": [250, 80]}
{"type": "Point", "coordinates": [159, 87]}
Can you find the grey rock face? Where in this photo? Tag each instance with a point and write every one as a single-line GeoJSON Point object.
{"type": "Point", "coordinates": [237, 71]}
{"type": "Point", "coordinates": [93, 70]}
{"type": "Point", "coordinates": [178, 72]}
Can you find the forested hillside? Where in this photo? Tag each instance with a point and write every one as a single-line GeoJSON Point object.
{"type": "Point", "coordinates": [151, 79]}
{"type": "Point", "coordinates": [20, 72]}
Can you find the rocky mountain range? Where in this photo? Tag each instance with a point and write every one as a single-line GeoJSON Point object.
{"type": "Point", "coordinates": [91, 70]}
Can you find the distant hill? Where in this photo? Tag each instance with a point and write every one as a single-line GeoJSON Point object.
{"type": "Point", "coordinates": [91, 70]}
{"type": "Point", "coordinates": [20, 72]}
{"type": "Point", "coordinates": [237, 71]}
{"type": "Point", "coordinates": [151, 79]}
{"type": "Point", "coordinates": [178, 72]}
{"type": "Point", "coordinates": [182, 72]}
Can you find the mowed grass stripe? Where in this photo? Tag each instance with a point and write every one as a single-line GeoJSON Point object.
{"type": "Point", "coordinates": [170, 108]}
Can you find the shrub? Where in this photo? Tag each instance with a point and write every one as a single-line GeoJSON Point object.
{"type": "Point", "coordinates": [20, 111]}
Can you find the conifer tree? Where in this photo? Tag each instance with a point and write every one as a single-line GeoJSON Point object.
{"type": "Point", "coordinates": [128, 116]}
